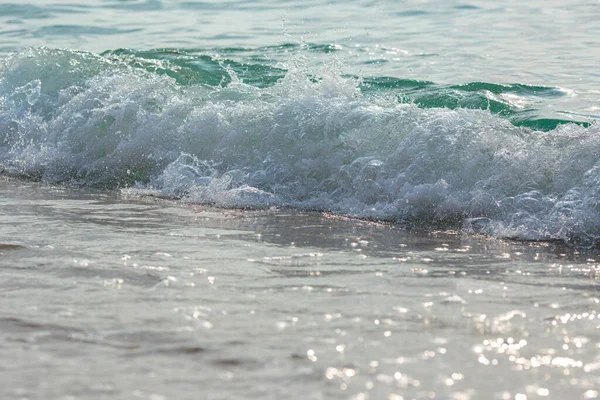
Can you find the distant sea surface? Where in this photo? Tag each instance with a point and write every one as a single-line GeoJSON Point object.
{"type": "Point", "coordinates": [299, 199]}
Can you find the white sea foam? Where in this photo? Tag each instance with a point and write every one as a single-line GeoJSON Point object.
{"type": "Point", "coordinates": [314, 143]}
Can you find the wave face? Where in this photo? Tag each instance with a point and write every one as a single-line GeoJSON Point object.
{"type": "Point", "coordinates": [210, 131]}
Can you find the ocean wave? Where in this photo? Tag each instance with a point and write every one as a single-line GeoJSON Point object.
{"type": "Point", "coordinates": [207, 130]}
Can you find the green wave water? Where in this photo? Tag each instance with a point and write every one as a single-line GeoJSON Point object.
{"type": "Point", "coordinates": [210, 67]}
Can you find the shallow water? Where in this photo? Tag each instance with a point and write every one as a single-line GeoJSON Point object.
{"type": "Point", "coordinates": [186, 186]}
{"type": "Point", "coordinates": [109, 296]}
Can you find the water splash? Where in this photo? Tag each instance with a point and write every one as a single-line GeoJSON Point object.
{"type": "Point", "coordinates": [313, 139]}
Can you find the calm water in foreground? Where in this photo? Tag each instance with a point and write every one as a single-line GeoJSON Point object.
{"type": "Point", "coordinates": [108, 297]}
{"type": "Point", "coordinates": [185, 188]}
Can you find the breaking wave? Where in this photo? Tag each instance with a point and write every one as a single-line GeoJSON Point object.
{"type": "Point", "coordinates": [205, 130]}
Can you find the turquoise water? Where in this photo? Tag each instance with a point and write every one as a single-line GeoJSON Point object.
{"type": "Point", "coordinates": [549, 45]}
{"type": "Point", "coordinates": [299, 199]}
